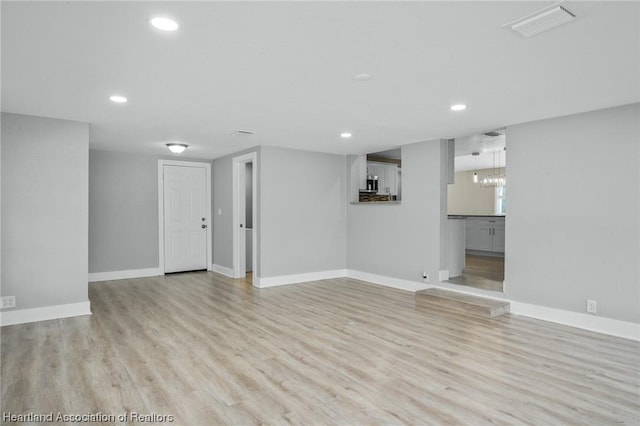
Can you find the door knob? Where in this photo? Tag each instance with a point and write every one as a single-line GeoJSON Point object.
{"type": "Point", "coordinates": [241, 225]}
{"type": "Point", "coordinates": [204, 226]}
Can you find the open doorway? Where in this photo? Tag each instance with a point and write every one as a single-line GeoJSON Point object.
{"type": "Point", "coordinates": [477, 203]}
{"type": "Point", "coordinates": [244, 216]}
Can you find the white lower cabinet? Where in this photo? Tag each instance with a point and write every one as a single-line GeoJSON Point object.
{"type": "Point", "coordinates": [485, 234]}
{"type": "Point", "coordinates": [498, 236]}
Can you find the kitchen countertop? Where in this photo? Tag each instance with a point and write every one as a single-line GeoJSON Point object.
{"type": "Point", "coordinates": [464, 216]}
{"type": "Point", "coordinates": [377, 202]}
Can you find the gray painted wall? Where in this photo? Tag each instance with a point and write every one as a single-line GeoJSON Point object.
{"type": "Point", "coordinates": [447, 175]}
{"type": "Point", "coordinates": [44, 210]}
{"type": "Point", "coordinates": [573, 221]}
{"type": "Point", "coordinates": [403, 240]}
{"type": "Point", "coordinates": [572, 233]}
{"type": "Point", "coordinates": [301, 226]}
{"type": "Point", "coordinates": [223, 211]}
{"type": "Point", "coordinates": [123, 210]}
{"type": "Point", "coordinates": [303, 216]}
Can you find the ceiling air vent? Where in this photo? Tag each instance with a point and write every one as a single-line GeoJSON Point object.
{"type": "Point", "coordinates": [492, 134]}
{"type": "Point", "coordinates": [243, 133]}
{"type": "Point", "coordinates": [541, 20]}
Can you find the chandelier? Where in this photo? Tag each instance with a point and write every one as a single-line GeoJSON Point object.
{"type": "Point", "coordinates": [495, 179]}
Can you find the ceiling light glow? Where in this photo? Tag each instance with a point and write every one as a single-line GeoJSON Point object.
{"type": "Point", "coordinates": [362, 77]}
{"type": "Point", "coordinates": [458, 107]}
{"type": "Point", "coordinates": [164, 24]}
{"type": "Point", "coordinates": [345, 135]}
{"type": "Point", "coordinates": [176, 147]}
{"type": "Point", "coordinates": [118, 99]}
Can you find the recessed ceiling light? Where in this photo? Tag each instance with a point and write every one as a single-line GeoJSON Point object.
{"type": "Point", "coordinates": [164, 24]}
{"type": "Point", "coordinates": [345, 135]}
{"type": "Point", "coordinates": [118, 99]}
{"type": "Point", "coordinates": [362, 77]}
{"type": "Point", "coordinates": [177, 147]}
{"type": "Point", "coordinates": [458, 107]}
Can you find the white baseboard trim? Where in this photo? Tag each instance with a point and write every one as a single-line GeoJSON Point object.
{"type": "Point", "coordinates": [22, 316]}
{"type": "Point", "coordinates": [613, 327]}
{"type": "Point", "coordinates": [123, 275]}
{"type": "Point", "coordinates": [227, 272]}
{"type": "Point", "coordinates": [597, 324]}
{"type": "Point", "coordinates": [387, 281]}
{"type": "Point", "coordinates": [263, 282]}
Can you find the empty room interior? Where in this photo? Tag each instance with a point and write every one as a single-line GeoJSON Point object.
{"type": "Point", "coordinates": [343, 213]}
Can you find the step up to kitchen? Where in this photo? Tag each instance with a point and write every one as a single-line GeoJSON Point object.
{"type": "Point", "coordinates": [465, 303]}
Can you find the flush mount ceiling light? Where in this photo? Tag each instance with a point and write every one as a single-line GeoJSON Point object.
{"type": "Point", "coordinates": [345, 135]}
{"type": "Point", "coordinates": [458, 107]}
{"type": "Point", "coordinates": [164, 24]}
{"type": "Point", "coordinates": [362, 77]}
{"type": "Point", "coordinates": [118, 99]}
{"type": "Point", "coordinates": [176, 147]}
{"type": "Point", "coordinates": [243, 133]}
{"type": "Point", "coordinates": [541, 20]}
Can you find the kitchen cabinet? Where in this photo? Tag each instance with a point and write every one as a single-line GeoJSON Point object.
{"type": "Point", "coordinates": [387, 176]}
{"type": "Point", "coordinates": [479, 235]}
{"type": "Point", "coordinates": [498, 236]}
{"type": "Point", "coordinates": [485, 234]}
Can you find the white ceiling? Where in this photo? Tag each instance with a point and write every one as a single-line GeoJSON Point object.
{"type": "Point", "coordinates": [490, 149]}
{"type": "Point", "coordinates": [285, 70]}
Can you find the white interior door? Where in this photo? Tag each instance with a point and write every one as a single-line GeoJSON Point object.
{"type": "Point", "coordinates": [242, 217]}
{"type": "Point", "coordinates": [240, 242]}
{"type": "Point", "coordinates": [185, 213]}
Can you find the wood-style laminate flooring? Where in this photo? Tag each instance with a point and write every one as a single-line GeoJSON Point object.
{"type": "Point", "coordinates": [211, 351]}
{"type": "Point", "coordinates": [485, 272]}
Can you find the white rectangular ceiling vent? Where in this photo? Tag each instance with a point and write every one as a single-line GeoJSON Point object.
{"type": "Point", "coordinates": [541, 20]}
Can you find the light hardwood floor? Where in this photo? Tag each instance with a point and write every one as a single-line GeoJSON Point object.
{"type": "Point", "coordinates": [210, 350]}
{"type": "Point", "coordinates": [485, 272]}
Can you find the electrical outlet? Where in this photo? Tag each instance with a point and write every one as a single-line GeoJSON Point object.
{"type": "Point", "coordinates": [425, 277]}
{"type": "Point", "coordinates": [8, 302]}
{"type": "Point", "coordinates": [592, 306]}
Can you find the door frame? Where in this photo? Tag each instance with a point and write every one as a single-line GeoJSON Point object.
{"type": "Point", "coordinates": [207, 169]}
{"type": "Point", "coordinates": [239, 238]}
